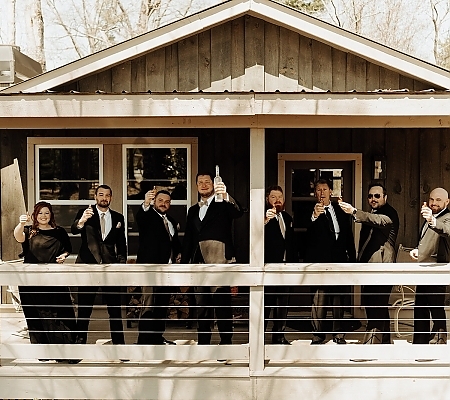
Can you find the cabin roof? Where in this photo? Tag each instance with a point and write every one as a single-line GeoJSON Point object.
{"type": "Point", "coordinates": [266, 10]}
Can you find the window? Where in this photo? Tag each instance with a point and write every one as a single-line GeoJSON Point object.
{"type": "Point", "coordinates": [66, 177]}
{"type": "Point", "coordinates": [160, 166]}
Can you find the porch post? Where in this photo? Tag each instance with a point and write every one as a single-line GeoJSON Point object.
{"type": "Point", "coordinates": [256, 315]}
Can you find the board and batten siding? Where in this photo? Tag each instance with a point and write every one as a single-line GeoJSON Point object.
{"type": "Point", "coordinates": [242, 55]}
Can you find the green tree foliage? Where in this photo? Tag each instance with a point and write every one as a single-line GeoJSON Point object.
{"type": "Point", "coordinates": [307, 6]}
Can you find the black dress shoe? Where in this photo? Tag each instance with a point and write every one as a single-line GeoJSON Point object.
{"type": "Point", "coordinates": [339, 340]}
{"type": "Point", "coordinates": [317, 340]}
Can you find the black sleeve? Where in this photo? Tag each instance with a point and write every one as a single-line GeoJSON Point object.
{"type": "Point", "coordinates": [65, 240]}
{"type": "Point", "coordinates": [74, 229]}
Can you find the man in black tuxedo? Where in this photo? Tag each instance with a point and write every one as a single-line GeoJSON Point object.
{"type": "Point", "coordinates": [376, 245]}
{"type": "Point", "coordinates": [158, 244]}
{"type": "Point", "coordinates": [434, 246]}
{"type": "Point", "coordinates": [208, 239]}
{"type": "Point", "coordinates": [329, 240]}
{"type": "Point", "coordinates": [102, 242]}
{"type": "Point", "coordinates": [279, 247]}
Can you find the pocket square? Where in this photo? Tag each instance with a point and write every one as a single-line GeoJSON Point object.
{"type": "Point", "coordinates": [119, 225]}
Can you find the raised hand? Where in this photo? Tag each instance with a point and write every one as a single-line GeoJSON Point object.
{"type": "Point", "coordinates": [426, 212]}
{"type": "Point", "coordinates": [149, 198]}
{"type": "Point", "coordinates": [319, 208]}
{"type": "Point", "coordinates": [88, 213]}
{"type": "Point", "coordinates": [25, 219]}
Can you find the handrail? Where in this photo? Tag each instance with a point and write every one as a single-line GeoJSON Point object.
{"type": "Point", "coordinates": [225, 275]}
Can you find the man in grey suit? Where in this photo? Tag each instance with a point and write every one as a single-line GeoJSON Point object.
{"type": "Point", "coordinates": [434, 246]}
{"type": "Point", "coordinates": [376, 245]}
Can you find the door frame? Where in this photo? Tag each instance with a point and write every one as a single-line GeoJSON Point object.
{"type": "Point", "coordinates": [356, 158]}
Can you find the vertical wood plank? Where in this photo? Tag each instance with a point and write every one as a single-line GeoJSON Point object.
{"type": "Point", "coordinates": [322, 66]}
{"type": "Point", "coordinates": [188, 64]}
{"type": "Point", "coordinates": [360, 74]}
{"type": "Point", "coordinates": [412, 190]}
{"type": "Point", "coordinates": [350, 73]}
{"type": "Point", "coordinates": [389, 80]}
{"type": "Point", "coordinates": [121, 77]}
{"type": "Point", "coordinates": [113, 174]}
{"type": "Point", "coordinates": [305, 67]}
{"type": "Point", "coordinates": [396, 177]}
{"type": "Point", "coordinates": [237, 55]}
{"type": "Point", "coordinates": [12, 206]}
{"type": "Point", "coordinates": [340, 67]}
{"type": "Point", "coordinates": [430, 158]}
{"type": "Point", "coordinates": [420, 85]}
{"type": "Point", "coordinates": [272, 52]}
{"type": "Point", "coordinates": [220, 57]}
{"type": "Point", "coordinates": [155, 70]}
{"type": "Point", "coordinates": [289, 60]}
{"type": "Point", "coordinates": [254, 54]}
{"type": "Point", "coordinates": [138, 75]}
{"type": "Point", "coordinates": [445, 157]}
{"type": "Point", "coordinates": [88, 84]}
{"type": "Point", "coordinates": [204, 60]}
{"type": "Point", "coordinates": [372, 77]}
{"type": "Point", "coordinates": [405, 82]}
{"type": "Point", "coordinates": [104, 81]}
{"type": "Point", "coordinates": [171, 68]}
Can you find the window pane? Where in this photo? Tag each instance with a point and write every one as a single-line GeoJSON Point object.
{"type": "Point", "coordinates": [68, 173]}
{"type": "Point", "coordinates": [165, 168]}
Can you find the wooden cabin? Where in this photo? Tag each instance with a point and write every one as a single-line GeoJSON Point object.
{"type": "Point", "coordinates": [271, 95]}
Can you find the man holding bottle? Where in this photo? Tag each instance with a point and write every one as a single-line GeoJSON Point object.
{"type": "Point", "coordinates": [208, 239]}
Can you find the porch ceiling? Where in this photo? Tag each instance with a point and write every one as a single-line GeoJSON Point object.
{"type": "Point", "coordinates": [253, 110]}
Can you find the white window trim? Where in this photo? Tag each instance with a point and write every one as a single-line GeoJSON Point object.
{"type": "Point", "coordinates": [64, 146]}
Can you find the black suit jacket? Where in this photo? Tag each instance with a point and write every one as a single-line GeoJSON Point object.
{"type": "Point", "coordinates": [321, 243]}
{"type": "Point", "coordinates": [382, 226]}
{"type": "Point", "coordinates": [275, 245]}
{"type": "Point", "coordinates": [155, 246]}
{"type": "Point", "coordinates": [93, 249]}
{"type": "Point", "coordinates": [216, 225]}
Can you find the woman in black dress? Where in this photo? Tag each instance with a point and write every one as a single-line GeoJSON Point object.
{"type": "Point", "coordinates": [48, 309]}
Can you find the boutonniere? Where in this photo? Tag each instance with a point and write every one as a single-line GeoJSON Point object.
{"type": "Point", "coordinates": [119, 225]}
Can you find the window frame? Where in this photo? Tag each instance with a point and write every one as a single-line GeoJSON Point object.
{"type": "Point", "coordinates": [37, 147]}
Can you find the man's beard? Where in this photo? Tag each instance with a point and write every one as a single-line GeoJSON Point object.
{"type": "Point", "coordinates": [279, 207]}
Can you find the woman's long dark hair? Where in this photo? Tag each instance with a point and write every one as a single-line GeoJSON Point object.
{"type": "Point", "coordinates": [37, 208]}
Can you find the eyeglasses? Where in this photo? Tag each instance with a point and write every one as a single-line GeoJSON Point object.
{"type": "Point", "coordinates": [376, 195]}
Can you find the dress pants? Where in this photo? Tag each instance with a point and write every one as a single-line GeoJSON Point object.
{"type": "Point", "coordinates": [152, 323]}
{"type": "Point", "coordinates": [208, 300]}
{"type": "Point", "coordinates": [375, 298]}
{"type": "Point", "coordinates": [276, 298]}
{"type": "Point", "coordinates": [428, 300]}
{"type": "Point", "coordinates": [323, 298]}
{"type": "Point", "coordinates": [112, 296]}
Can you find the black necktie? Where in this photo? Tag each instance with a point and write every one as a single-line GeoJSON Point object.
{"type": "Point", "coordinates": [330, 219]}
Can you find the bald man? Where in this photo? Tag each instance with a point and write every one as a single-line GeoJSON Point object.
{"type": "Point", "coordinates": [434, 246]}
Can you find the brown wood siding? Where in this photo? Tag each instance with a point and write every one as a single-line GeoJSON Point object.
{"type": "Point", "coordinates": [417, 160]}
{"type": "Point", "coordinates": [247, 54]}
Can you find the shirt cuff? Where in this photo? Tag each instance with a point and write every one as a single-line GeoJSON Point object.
{"type": "Point", "coordinates": [313, 218]}
{"type": "Point", "coordinates": [433, 222]}
{"type": "Point", "coordinates": [145, 208]}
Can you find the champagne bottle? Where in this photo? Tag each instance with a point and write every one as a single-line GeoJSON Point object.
{"type": "Point", "coordinates": [218, 179]}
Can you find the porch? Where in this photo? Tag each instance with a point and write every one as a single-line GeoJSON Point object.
{"type": "Point", "coordinates": [252, 371]}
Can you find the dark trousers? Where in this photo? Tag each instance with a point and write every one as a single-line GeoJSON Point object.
{"type": "Point", "coordinates": [375, 298]}
{"type": "Point", "coordinates": [207, 302]}
{"type": "Point", "coordinates": [152, 323]}
{"type": "Point", "coordinates": [276, 298]}
{"type": "Point", "coordinates": [428, 300]}
{"type": "Point", "coordinates": [324, 298]}
{"type": "Point", "coordinates": [112, 296]}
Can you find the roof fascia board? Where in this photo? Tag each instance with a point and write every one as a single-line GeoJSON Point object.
{"type": "Point", "coordinates": [349, 42]}
{"type": "Point", "coordinates": [134, 47]}
{"type": "Point", "coordinates": [145, 106]}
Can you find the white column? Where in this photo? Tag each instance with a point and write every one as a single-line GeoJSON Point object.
{"type": "Point", "coordinates": [256, 314]}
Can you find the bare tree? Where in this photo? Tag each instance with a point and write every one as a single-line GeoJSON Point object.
{"type": "Point", "coordinates": [439, 13]}
{"type": "Point", "coordinates": [10, 22]}
{"type": "Point", "coordinates": [37, 28]}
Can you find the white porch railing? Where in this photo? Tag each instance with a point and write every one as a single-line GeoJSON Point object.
{"type": "Point", "coordinates": [255, 371]}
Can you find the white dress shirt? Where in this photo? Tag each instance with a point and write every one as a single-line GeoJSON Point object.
{"type": "Point", "coordinates": [108, 221]}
